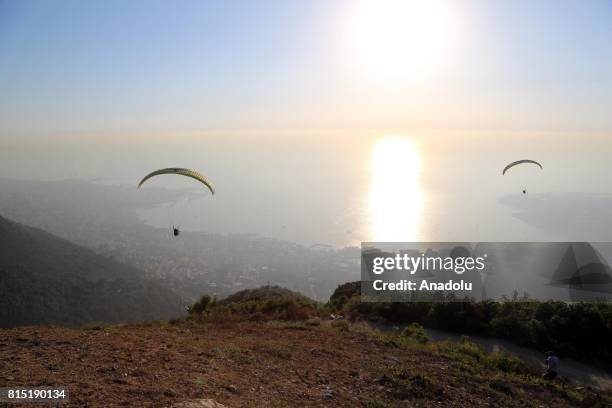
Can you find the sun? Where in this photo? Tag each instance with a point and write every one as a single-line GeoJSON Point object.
{"type": "Point", "coordinates": [394, 40]}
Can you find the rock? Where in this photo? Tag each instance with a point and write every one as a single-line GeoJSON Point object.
{"type": "Point", "coordinates": [201, 403]}
{"type": "Point", "coordinates": [232, 388]}
{"type": "Point", "coordinates": [328, 393]}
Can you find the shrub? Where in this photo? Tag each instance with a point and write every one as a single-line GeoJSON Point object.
{"type": "Point", "coordinates": [417, 332]}
{"type": "Point", "coordinates": [507, 363]}
{"type": "Point", "coordinates": [201, 305]}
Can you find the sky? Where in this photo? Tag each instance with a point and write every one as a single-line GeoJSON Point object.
{"type": "Point", "coordinates": [141, 67]}
{"type": "Point", "coordinates": [323, 121]}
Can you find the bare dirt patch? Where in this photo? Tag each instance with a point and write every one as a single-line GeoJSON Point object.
{"type": "Point", "coordinates": [249, 364]}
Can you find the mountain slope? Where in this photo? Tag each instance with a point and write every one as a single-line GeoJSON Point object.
{"type": "Point", "coordinates": [272, 364]}
{"type": "Point", "coordinates": [48, 280]}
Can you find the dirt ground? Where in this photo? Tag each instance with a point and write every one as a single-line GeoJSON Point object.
{"type": "Point", "coordinates": [245, 364]}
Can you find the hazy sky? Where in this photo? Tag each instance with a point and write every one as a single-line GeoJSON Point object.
{"type": "Point", "coordinates": [324, 121]}
{"type": "Point", "coordinates": [102, 67]}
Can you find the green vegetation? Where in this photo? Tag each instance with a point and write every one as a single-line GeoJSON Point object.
{"type": "Point", "coordinates": [417, 332]}
{"type": "Point", "coordinates": [264, 303]}
{"type": "Point", "coordinates": [579, 330]}
{"type": "Point", "coordinates": [435, 371]}
{"type": "Point", "coordinates": [472, 354]}
{"type": "Point", "coordinates": [265, 293]}
{"type": "Point", "coordinates": [344, 293]}
{"type": "Point", "coordinates": [507, 377]}
{"type": "Point", "coordinates": [201, 305]}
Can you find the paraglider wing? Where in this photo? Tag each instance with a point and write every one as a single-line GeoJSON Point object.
{"type": "Point", "coordinates": [181, 172]}
{"type": "Point", "coordinates": [520, 162]}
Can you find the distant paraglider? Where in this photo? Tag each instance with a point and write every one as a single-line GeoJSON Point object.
{"type": "Point", "coordinates": [181, 172]}
{"type": "Point", "coordinates": [516, 163]}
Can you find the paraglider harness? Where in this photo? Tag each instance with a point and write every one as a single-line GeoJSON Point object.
{"type": "Point", "coordinates": [176, 231]}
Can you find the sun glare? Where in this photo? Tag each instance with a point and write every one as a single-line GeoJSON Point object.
{"type": "Point", "coordinates": [395, 40]}
{"type": "Point", "coordinates": [395, 197]}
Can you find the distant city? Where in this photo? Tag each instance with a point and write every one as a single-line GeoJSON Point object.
{"type": "Point", "coordinates": [105, 218]}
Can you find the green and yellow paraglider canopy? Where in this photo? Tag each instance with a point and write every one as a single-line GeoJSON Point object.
{"type": "Point", "coordinates": [516, 163]}
{"type": "Point", "coordinates": [181, 172]}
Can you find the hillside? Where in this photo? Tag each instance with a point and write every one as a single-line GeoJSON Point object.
{"type": "Point", "coordinates": [580, 330]}
{"type": "Point", "coordinates": [278, 364]}
{"type": "Point", "coordinates": [48, 280]}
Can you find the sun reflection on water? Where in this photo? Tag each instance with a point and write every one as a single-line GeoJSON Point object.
{"type": "Point", "coordinates": [395, 197]}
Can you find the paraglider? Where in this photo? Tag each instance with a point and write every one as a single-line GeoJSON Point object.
{"type": "Point", "coordinates": [516, 163]}
{"type": "Point", "coordinates": [181, 172]}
